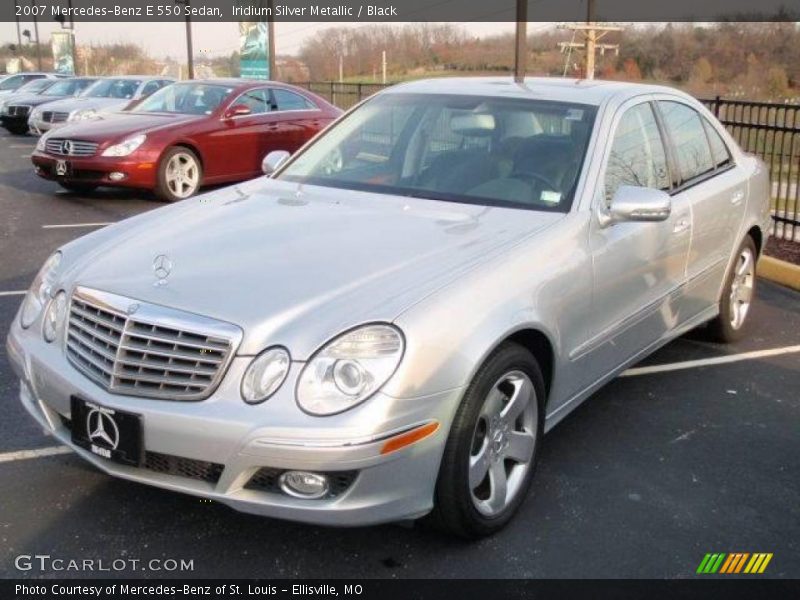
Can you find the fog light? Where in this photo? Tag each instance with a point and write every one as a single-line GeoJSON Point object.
{"type": "Point", "coordinates": [302, 484]}
{"type": "Point", "coordinates": [116, 176]}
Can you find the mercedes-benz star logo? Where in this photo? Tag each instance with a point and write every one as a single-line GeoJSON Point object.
{"type": "Point", "coordinates": [102, 429]}
{"type": "Point", "coordinates": [162, 267]}
{"type": "Point", "coordinates": [66, 147]}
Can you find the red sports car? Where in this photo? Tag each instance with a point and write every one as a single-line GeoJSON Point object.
{"type": "Point", "coordinates": [184, 136]}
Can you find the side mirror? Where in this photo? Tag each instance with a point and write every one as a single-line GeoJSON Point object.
{"type": "Point", "coordinates": [238, 110]}
{"type": "Point", "coordinates": [633, 203]}
{"type": "Point", "coordinates": [273, 161]}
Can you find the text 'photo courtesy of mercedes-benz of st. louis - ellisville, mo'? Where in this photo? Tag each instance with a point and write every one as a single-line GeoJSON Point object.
{"type": "Point", "coordinates": [386, 300]}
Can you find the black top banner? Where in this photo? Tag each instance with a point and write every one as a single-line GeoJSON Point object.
{"type": "Point", "coordinates": [400, 10]}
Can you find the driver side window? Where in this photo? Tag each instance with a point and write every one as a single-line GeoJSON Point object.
{"type": "Point", "coordinates": [637, 153]}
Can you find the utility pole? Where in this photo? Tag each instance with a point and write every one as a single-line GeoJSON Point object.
{"type": "Point", "coordinates": [36, 33]}
{"type": "Point", "coordinates": [271, 62]}
{"type": "Point", "coordinates": [521, 50]}
{"type": "Point", "coordinates": [189, 51]}
{"type": "Point", "coordinates": [592, 34]}
{"type": "Point", "coordinates": [383, 67]}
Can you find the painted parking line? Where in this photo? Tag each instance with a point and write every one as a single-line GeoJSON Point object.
{"type": "Point", "coordinates": [14, 293]}
{"type": "Point", "coordinates": [71, 225]}
{"type": "Point", "coordinates": [38, 453]}
{"type": "Point", "coordinates": [705, 362]}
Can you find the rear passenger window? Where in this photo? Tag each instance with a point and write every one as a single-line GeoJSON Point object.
{"type": "Point", "coordinates": [719, 151]}
{"type": "Point", "coordinates": [686, 129]}
{"type": "Point", "coordinates": [286, 100]}
{"type": "Point", "coordinates": [637, 153]}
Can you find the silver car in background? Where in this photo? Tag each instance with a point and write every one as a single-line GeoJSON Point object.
{"type": "Point", "coordinates": [106, 96]}
{"type": "Point", "coordinates": [387, 326]}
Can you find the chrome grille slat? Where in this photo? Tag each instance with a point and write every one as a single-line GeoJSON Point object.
{"type": "Point", "coordinates": [145, 349]}
{"type": "Point", "coordinates": [143, 357]}
{"type": "Point", "coordinates": [64, 147]}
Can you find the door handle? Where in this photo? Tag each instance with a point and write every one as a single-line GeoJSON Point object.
{"type": "Point", "coordinates": [681, 225]}
{"type": "Point", "coordinates": [737, 197]}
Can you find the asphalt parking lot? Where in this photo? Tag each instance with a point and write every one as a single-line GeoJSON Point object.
{"type": "Point", "coordinates": [643, 480]}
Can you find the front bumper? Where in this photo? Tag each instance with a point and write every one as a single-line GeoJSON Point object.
{"type": "Point", "coordinates": [96, 170]}
{"type": "Point", "coordinates": [242, 439]}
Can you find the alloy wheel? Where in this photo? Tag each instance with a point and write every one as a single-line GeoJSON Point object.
{"type": "Point", "coordinates": [503, 443]}
{"type": "Point", "coordinates": [182, 175]}
{"type": "Point", "coordinates": [742, 288]}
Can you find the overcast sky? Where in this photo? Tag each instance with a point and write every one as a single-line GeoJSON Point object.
{"type": "Point", "coordinates": [168, 39]}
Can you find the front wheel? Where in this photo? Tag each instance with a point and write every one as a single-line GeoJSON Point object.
{"type": "Point", "coordinates": [737, 296]}
{"type": "Point", "coordinates": [179, 174]}
{"type": "Point", "coordinates": [492, 447]}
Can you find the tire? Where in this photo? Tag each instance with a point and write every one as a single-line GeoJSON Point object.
{"type": "Point", "coordinates": [78, 188]}
{"type": "Point", "coordinates": [475, 512]}
{"type": "Point", "coordinates": [737, 296]}
{"type": "Point", "coordinates": [180, 174]}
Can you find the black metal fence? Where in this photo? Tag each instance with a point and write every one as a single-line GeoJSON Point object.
{"type": "Point", "coordinates": [771, 131]}
{"type": "Point", "coordinates": [768, 130]}
{"type": "Point", "coordinates": [343, 95]}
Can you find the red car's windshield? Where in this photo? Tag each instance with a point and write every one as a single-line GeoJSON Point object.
{"type": "Point", "coordinates": [186, 98]}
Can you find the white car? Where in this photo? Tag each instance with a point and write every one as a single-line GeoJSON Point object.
{"type": "Point", "coordinates": [106, 96]}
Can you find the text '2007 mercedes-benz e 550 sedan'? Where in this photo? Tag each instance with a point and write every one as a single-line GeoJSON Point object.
{"type": "Point", "coordinates": [388, 324]}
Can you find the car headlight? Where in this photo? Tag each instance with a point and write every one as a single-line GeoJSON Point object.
{"type": "Point", "coordinates": [40, 289]}
{"type": "Point", "coordinates": [126, 147]}
{"type": "Point", "coordinates": [41, 144]}
{"type": "Point", "coordinates": [54, 316]}
{"type": "Point", "coordinates": [349, 369]}
{"type": "Point", "coordinates": [265, 375]}
{"type": "Point", "coordinates": [83, 115]}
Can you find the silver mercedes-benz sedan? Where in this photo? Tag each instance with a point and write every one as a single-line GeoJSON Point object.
{"type": "Point", "coordinates": [386, 326]}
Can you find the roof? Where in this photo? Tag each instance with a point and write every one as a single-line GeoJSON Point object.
{"type": "Point", "coordinates": [584, 91]}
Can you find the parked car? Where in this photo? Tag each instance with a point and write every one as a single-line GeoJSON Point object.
{"type": "Point", "coordinates": [103, 98]}
{"type": "Point", "coordinates": [184, 136]}
{"type": "Point", "coordinates": [387, 326]}
{"type": "Point", "coordinates": [17, 109]}
{"type": "Point", "coordinates": [11, 83]}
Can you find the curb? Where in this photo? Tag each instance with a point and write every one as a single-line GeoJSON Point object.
{"type": "Point", "coordinates": [779, 271]}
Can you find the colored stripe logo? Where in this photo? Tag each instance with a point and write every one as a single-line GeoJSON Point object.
{"type": "Point", "coordinates": [736, 562]}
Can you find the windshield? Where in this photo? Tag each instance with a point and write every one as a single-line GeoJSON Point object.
{"type": "Point", "coordinates": [186, 98]}
{"type": "Point", "coordinates": [67, 87]}
{"type": "Point", "coordinates": [11, 83]}
{"type": "Point", "coordinates": [37, 85]}
{"type": "Point", "coordinates": [482, 150]}
{"type": "Point", "coordinates": [114, 88]}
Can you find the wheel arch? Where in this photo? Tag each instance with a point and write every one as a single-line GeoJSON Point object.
{"type": "Point", "coordinates": [758, 238]}
{"type": "Point", "coordinates": [189, 146]}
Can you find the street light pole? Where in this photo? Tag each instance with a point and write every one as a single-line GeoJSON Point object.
{"type": "Point", "coordinates": [19, 32]}
{"type": "Point", "coordinates": [521, 52]}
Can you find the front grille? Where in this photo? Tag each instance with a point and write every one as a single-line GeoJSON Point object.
{"type": "Point", "coordinates": [266, 480]}
{"type": "Point", "coordinates": [18, 111]}
{"type": "Point", "coordinates": [63, 147]}
{"type": "Point", "coordinates": [183, 467]}
{"type": "Point", "coordinates": [50, 116]}
{"type": "Point", "coordinates": [139, 357]}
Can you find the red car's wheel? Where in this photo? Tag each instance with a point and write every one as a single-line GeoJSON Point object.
{"type": "Point", "coordinates": [179, 174]}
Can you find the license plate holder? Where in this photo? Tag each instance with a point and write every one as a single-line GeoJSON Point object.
{"type": "Point", "coordinates": [112, 434]}
{"type": "Point", "coordinates": [62, 168]}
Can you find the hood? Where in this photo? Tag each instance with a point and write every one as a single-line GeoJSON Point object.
{"type": "Point", "coordinates": [41, 99]}
{"type": "Point", "coordinates": [14, 99]}
{"type": "Point", "coordinates": [296, 266]}
{"type": "Point", "coordinates": [98, 104]}
{"type": "Point", "coordinates": [124, 124]}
